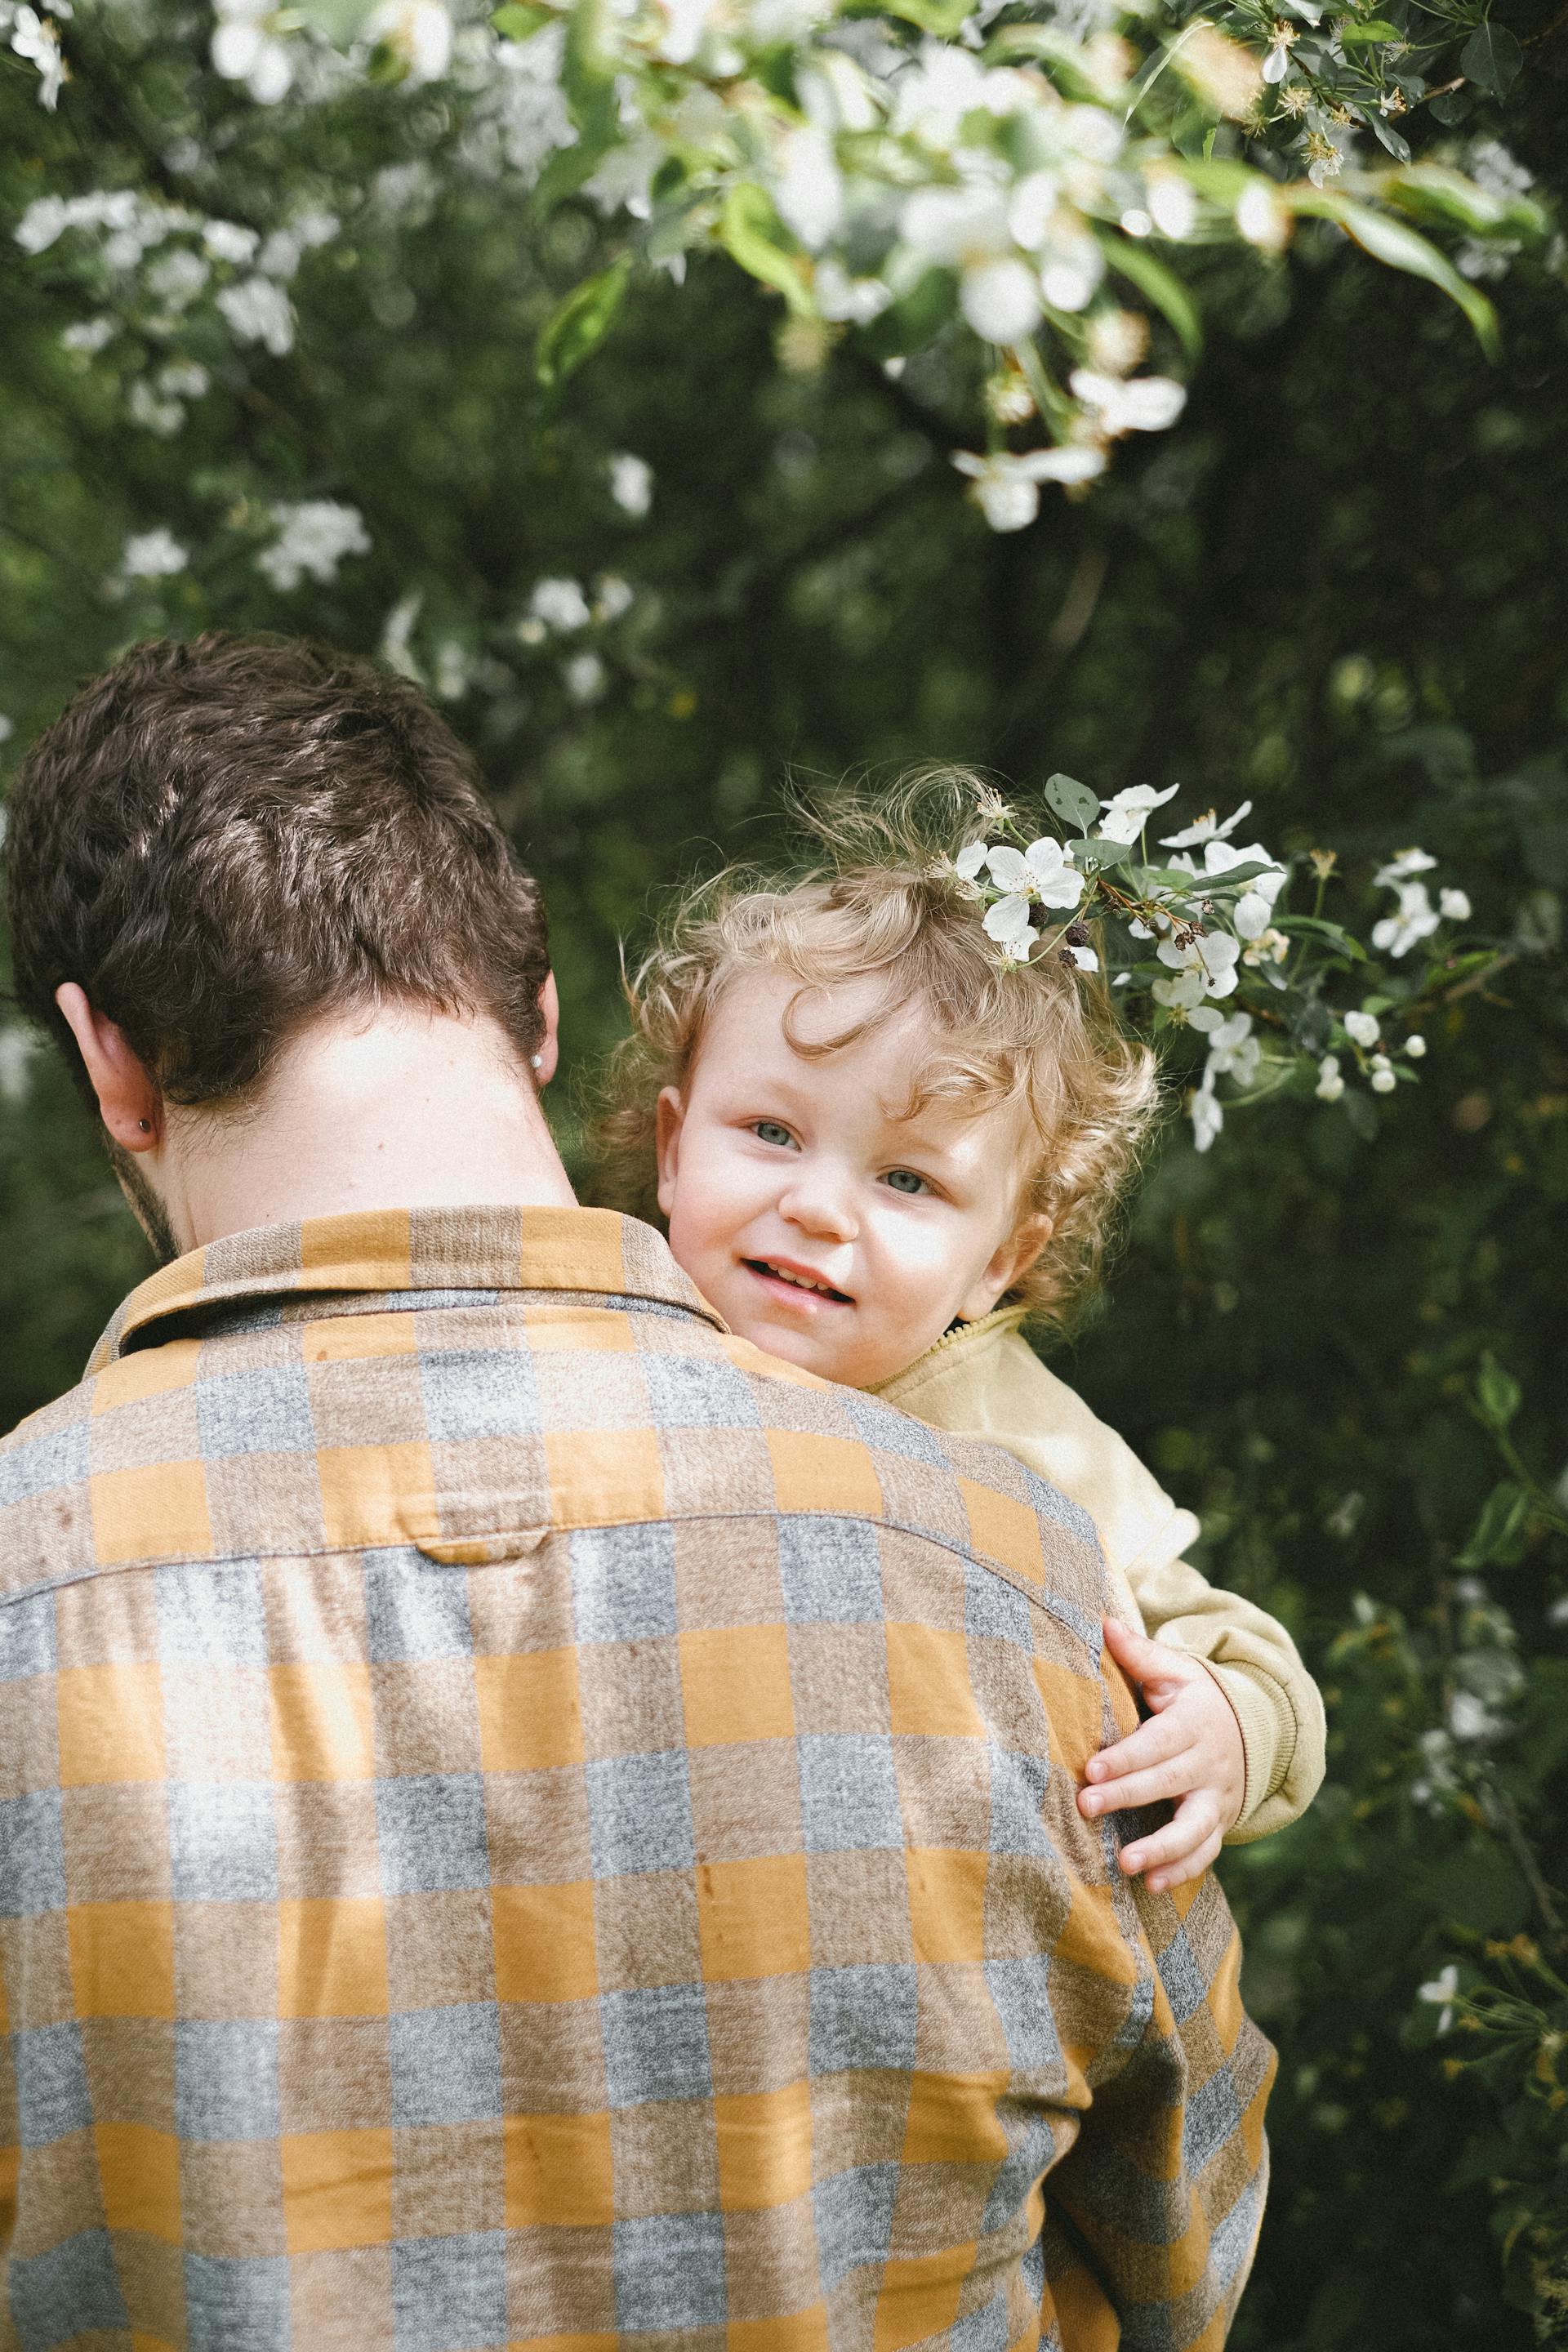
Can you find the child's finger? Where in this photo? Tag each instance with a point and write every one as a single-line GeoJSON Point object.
{"type": "Point", "coordinates": [1144, 1660]}
{"type": "Point", "coordinates": [1160, 1882]}
{"type": "Point", "coordinates": [1175, 1777]}
{"type": "Point", "coordinates": [1152, 1743]}
{"type": "Point", "coordinates": [1173, 1852]}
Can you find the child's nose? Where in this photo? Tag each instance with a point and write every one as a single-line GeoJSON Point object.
{"type": "Point", "coordinates": [820, 1204]}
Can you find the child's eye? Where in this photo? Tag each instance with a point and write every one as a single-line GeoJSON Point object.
{"type": "Point", "coordinates": [769, 1130]}
{"type": "Point", "coordinates": [904, 1180]}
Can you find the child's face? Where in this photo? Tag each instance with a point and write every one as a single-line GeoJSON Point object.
{"type": "Point", "coordinates": [822, 1226]}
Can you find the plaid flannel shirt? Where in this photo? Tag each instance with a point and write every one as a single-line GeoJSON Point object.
{"type": "Point", "coordinates": [525, 1821]}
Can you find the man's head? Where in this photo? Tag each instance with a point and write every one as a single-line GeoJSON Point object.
{"type": "Point", "coordinates": [222, 844]}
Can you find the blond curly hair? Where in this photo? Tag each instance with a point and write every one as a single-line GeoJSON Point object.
{"type": "Point", "coordinates": [879, 900]}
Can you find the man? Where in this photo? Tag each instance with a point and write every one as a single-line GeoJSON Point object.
{"type": "Point", "coordinates": [523, 1820]}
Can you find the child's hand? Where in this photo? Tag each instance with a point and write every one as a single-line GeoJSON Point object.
{"type": "Point", "coordinates": [1190, 1751]}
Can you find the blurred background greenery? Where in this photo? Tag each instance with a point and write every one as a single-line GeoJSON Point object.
{"type": "Point", "coordinates": [1337, 587]}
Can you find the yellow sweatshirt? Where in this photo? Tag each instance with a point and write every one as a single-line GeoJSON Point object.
{"type": "Point", "coordinates": [986, 1382]}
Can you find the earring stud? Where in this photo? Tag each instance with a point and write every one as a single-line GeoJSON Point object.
{"type": "Point", "coordinates": [536, 1061]}
{"type": "Point", "coordinates": [145, 1125]}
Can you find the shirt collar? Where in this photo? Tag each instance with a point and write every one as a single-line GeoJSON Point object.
{"type": "Point", "coordinates": [410, 1250]}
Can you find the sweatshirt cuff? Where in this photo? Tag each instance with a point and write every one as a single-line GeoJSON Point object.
{"type": "Point", "coordinates": [1257, 1712]}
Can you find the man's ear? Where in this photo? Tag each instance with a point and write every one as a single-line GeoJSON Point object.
{"type": "Point", "coordinates": [549, 1052]}
{"type": "Point", "coordinates": [1016, 1255]}
{"type": "Point", "coordinates": [127, 1096]}
{"type": "Point", "coordinates": [669, 1116]}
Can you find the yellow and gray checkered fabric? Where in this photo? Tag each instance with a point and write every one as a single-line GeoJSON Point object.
{"type": "Point", "coordinates": [525, 1822]}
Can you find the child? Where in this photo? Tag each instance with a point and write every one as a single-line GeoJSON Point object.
{"type": "Point", "coordinates": [880, 1150]}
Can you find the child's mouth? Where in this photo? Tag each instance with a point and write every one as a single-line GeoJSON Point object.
{"type": "Point", "coordinates": [801, 1290]}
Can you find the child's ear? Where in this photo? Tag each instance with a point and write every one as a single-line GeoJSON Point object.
{"type": "Point", "coordinates": [669, 1114]}
{"type": "Point", "coordinates": [1016, 1255]}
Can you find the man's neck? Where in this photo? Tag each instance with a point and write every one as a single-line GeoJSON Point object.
{"type": "Point", "coordinates": [405, 1110]}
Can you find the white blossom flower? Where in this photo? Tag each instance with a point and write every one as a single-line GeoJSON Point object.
{"type": "Point", "coordinates": [1205, 828]}
{"type": "Point", "coordinates": [809, 189]}
{"type": "Point", "coordinates": [313, 536]}
{"type": "Point", "coordinates": [1401, 866]}
{"type": "Point", "coordinates": [1085, 958]}
{"type": "Point", "coordinates": [560, 604]}
{"type": "Point", "coordinates": [1007, 488]}
{"type": "Point", "coordinates": [1044, 871]}
{"type": "Point", "coordinates": [1417, 920]}
{"type": "Point", "coordinates": [143, 407]}
{"type": "Point", "coordinates": [1261, 218]}
{"type": "Point", "coordinates": [183, 380]}
{"type": "Point", "coordinates": [419, 34]}
{"type": "Point", "coordinates": [1000, 301]}
{"type": "Point", "coordinates": [1330, 1086]}
{"type": "Point", "coordinates": [1143, 403]}
{"type": "Point", "coordinates": [1182, 994]}
{"type": "Point", "coordinates": [1128, 812]}
{"type": "Point", "coordinates": [1382, 1080]}
{"type": "Point", "coordinates": [1234, 1051]}
{"type": "Point", "coordinates": [1071, 267]}
{"type": "Point", "coordinates": [1471, 1721]}
{"type": "Point", "coordinates": [585, 677]}
{"type": "Point", "coordinates": [613, 596]}
{"type": "Point", "coordinates": [1207, 1116]}
{"type": "Point", "coordinates": [631, 484]}
{"type": "Point", "coordinates": [1415, 1045]}
{"type": "Point", "coordinates": [1172, 205]}
{"type": "Point", "coordinates": [1212, 956]}
{"type": "Point", "coordinates": [970, 859]}
{"type": "Point", "coordinates": [1454, 905]}
{"type": "Point", "coordinates": [228, 241]}
{"type": "Point", "coordinates": [245, 50]}
{"type": "Point", "coordinates": [963, 227]}
{"type": "Point", "coordinates": [89, 335]}
{"type": "Point", "coordinates": [1276, 63]}
{"type": "Point", "coordinates": [1361, 1028]}
{"type": "Point", "coordinates": [1255, 904]}
{"type": "Point", "coordinates": [34, 37]}
{"type": "Point", "coordinates": [854, 300]}
{"type": "Point", "coordinates": [151, 555]}
{"type": "Point", "coordinates": [1007, 922]}
{"type": "Point", "coordinates": [16, 1049]}
{"type": "Point", "coordinates": [1440, 1993]}
{"type": "Point", "coordinates": [686, 22]}
{"type": "Point", "coordinates": [1270, 946]}
{"type": "Point", "coordinates": [259, 312]}
{"type": "Point", "coordinates": [177, 277]}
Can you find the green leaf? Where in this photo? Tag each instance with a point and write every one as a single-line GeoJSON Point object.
{"type": "Point", "coordinates": [1451, 106]}
{"type": "Point", "coordinates": [1354, 29]}
{"type": "Point", "coordinates": [1072, 802]}
{"type": "Point", "coordinates": [1432, 191]}
{"type": "Point", "coordinates": [1159, 285]}
{"type": "Point", "coordinates": [1401, 248]}
{"type": "Point", "coordinates": [915, 320]}
{"type": "Point", "coordinates": [1233, 878]}
{"type": "Point", "coordinates": [1498, 1393]}
{"type": "Point", "coordinates": [517, 22]}
{"type": "Point", "coordinates": [1491, 58]}
{"type": "Point", "coordinates": [1361, 1113]}
{"type": "Point", "coordinates": [579, 324]}
{"type": "Point", "coordinates": [1382, 130]}
{"type": "Point", "coordinates": [1497, 1539]}
{"type": "Point", "coordinates": [752, 233]}
{"type": "Point", "coordinates": [1095, 852]}
{"type": "Point", "coordinates": [1334, 932]}
{"type": "Point", "coordinates": [942, 18]}
{"type": "Point", "coordinates": [339, 21]}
